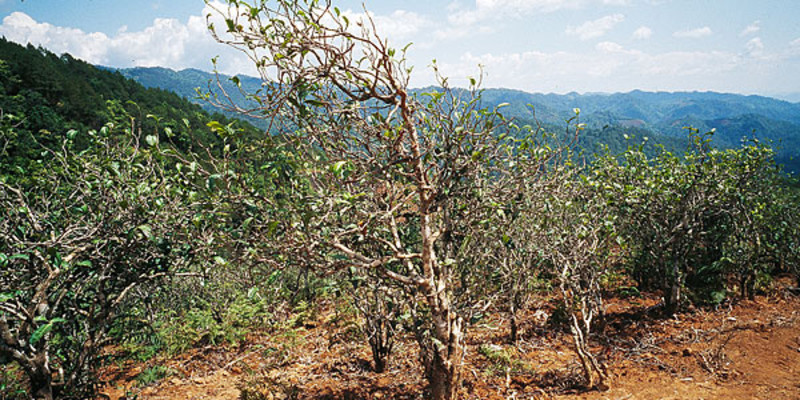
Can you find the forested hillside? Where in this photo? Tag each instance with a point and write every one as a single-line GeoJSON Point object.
{"type": "Point", "coordinates": [195, 85]}
{"type": "Point", "coordinates": [44, 96]}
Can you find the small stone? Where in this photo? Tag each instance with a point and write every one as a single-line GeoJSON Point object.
{"type": "Point", "coordinates": [384, 381]}
{"type": "Point", "coordinates": [175, 381]}
{"type": "Point", "coordinates": [687, 352]}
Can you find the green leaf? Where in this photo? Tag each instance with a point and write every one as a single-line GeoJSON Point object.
{"type": "Point", "coordinates": [151, 140]}
{"type": "Point", "coordinates": [146, 230]}
{"type": "Point", "coordinates": [338, 168]}
{"type": "Point", "coordinates": [4, 297]}
{"type": "Point", "coordinates": [43, 330]}
{"type": "Point", "coordinates": [19, 257]}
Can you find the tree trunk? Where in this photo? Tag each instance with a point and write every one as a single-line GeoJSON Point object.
{"type": "Point", "coordinates": [514, 327]}
{"type": "Point", "coordinates": [41, 380]}
{"type": "Point", "coordinates": [514, 307]}
{"type": "Point", "coordinates": [583, 357]}
{"type": "Point", "coordinates": [381, 344]}
{"type": "Point", "coordinates": [749, 285]}
{"type": "Point", "coordinates": [672, 298]}
{"type": "Point", "coordinates": [443, 363]}
{"type": "Point", "coordinates": [380, 361]}
{"type": "Point", "coordinates": [442, 380]}
{"type": "Point", "coordinates": [41, 389]}
{"type": "Point", "coordinates": [591, 366]}
{"type": "Point", "coordinates": [441, 347]}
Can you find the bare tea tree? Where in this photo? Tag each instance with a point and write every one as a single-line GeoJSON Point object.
{"type": "Point", "coordinates": [386, 170]}
{"type": "Point", "coordinates": [579, 244]}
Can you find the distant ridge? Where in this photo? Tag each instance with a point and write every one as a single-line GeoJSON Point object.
{"type": "Point", "coordinates": [656, 114]}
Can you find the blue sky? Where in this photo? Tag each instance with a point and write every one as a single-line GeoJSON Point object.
{"type": "Point", "coordinates": [750, 47]}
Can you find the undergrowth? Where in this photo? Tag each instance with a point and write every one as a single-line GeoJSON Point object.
{"type": "Point", "coordinates": [12, 385]}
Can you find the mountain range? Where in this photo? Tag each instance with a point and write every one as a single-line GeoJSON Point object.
{"type": "Point", "coordinates": [662, 116]}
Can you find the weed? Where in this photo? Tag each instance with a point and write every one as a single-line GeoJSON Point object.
{"type": "Point", "coordinates": [12, 385]}
{"type": "Point", "coordinates": [264, 388]}
{"type": "Point", "coordinates": [628, 291]}
{"type": "Point", "coordinates": [503, 359]}
{"type": "Point", "coordinates": [302, 314]}
{"type": "Point", "coordinates": [153, 374]}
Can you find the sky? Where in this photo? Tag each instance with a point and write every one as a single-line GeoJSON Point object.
{"type": "Point", "coordinates": [548, 46]}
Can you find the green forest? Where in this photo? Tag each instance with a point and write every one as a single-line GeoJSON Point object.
{"type": "Point", "coordinates": [135, 227]}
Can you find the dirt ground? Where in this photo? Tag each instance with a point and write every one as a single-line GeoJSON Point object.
{"type": "Point", "coordinates": [747, 350]}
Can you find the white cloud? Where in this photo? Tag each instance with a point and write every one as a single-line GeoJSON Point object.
{"type": "Point", "coordinates": [166, 42]}
{"type": "Point", "coordinates": [643, 33]}
{"type": "Point", "coordinates": [399, 26]}
{"type": "Point", "coordinates": [750, 29]}
{"type": "Point", "coordinates": [694, 33]}
{"type": "Point", "coordinates": [499, 9]}
{"type": "Point", "coordinates": [754, 47]}
{"type": "Point", "coordinates": [21, 28]}
{"type": "Point", "coordinates": [610, 67]}
{"type": "Point", "coordinates": [458, 32]}
{"type": "Point", "coordinates": [609, 47]}
{"type": "Point", "coordinates": [593, 29]}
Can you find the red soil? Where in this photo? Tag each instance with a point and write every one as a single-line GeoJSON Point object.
{"type": "Point", "coordinates": [749, 350]}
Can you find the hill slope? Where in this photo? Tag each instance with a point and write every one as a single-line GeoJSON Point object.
{"type": "Point", "coordinates": [44, 95]}
{"type": "Point", "coordinates": [188, 82]}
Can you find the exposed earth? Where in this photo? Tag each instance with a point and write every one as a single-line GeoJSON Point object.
{"type": "Point", "coordinates": [744, 350]}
